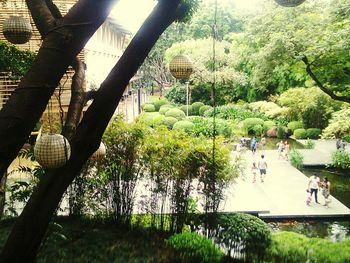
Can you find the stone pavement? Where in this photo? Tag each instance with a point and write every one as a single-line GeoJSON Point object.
{"type": "Point", "coordinates": [281, 196]}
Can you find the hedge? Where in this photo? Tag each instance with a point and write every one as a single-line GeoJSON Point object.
{"type": "Point", "coordinates": [300, 134]}
{"type": "Point", "coordinates": [203, 109]}
{"type": "Point", "coordinates": [158, 103]}
{"type": "Point", "coordinates": [149, 108]}
{"type": "Point", "coordinates": [294, 125]}
{"type": "Point", "coordinates": [176, 113]}
{"type": "Point", "coordinates": [169, 122]}
{"type": "Point", "coordinates": [195, 107]}
{"type": "Point", "coordinates": [184, 109]}
{"type": "Point", "coordinates": [187, 126]}
{"type": "Point", "coordinates": [313, 133]}
{"type": "Point", "coordinates": [163, 110]}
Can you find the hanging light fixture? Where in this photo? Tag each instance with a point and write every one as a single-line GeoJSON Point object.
{"type": "Point", "coordinates": [100, 153]}
{"type": "Point", "coordinates": [52, 151]}
{"type": "Point", "coordinates": [17, 30]}
{"type": "Point", "coordinates": [289, 3]}
{"type": "Point", "coordinates": [181, 67]}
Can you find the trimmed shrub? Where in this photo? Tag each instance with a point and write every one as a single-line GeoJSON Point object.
{"type": "Point", "coordinates": [195, 248]}
{"type": "Point", "coordinates": [203, 109]}
{"type": "Point", "coordinates": [294, 125]}
{"type": "Point", "coordinates": [195, 107]}
{"type": "Point", "coordinates": [149, 108]}
{"type": "Point", "coordinates": [187, 126]}
{"type": "Point", "coordinates": [184, 109]}
{"type": "Point", "coordinates": [204, 126]}
{"type": "Point", "coordinates": [245, 234]}
{"type": "Point", "coordinates": [300, 134]}
{"type": "Point", "coordinates": [164, 109]}
{"type": "Point", "coordinates": [176, 113]}
{"type": "Point", "coordinates": [313, 133]}
{"type": "Point", "coordinates": [158, 103]}
{"type": "Point", "coordinates": [268, 125]}
{"type": "Point", "coordinates": [169, 122]}
{"type": "Point", "coordinates": [157, 120]}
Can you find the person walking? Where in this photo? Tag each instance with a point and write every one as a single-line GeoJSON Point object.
{"type": "Point", "coordinates": [254, 145]}
{"type": "Point", "coordinates": [254, 171]}
{"type": "Point", "coordinates": [286, 149]}
{"type": "Point", "coordinates": [263, 143]}
{"type": "Point", "coordinates": [314, 183]}
{"type": "Point", "coordinates": [280, 148]}
{"type": "Point", "coordinates": [262, 165]}
{"type": "Point", "coordinates": [326, 191]}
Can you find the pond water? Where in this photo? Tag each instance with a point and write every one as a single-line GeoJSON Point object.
{"type": "Point", "coordinates": [333, 230]}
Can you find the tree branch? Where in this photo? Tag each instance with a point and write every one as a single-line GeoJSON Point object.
{"type": "Point", "coordinates": [320, 85]}
{"type": "Point", "coordinates": [42, 16]}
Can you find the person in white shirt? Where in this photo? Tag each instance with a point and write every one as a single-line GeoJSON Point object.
{"type": "Point", "coordinates": [314, 183]}
{"type": "Point", "coordinates": [262, 165]}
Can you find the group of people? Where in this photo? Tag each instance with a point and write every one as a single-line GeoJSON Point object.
{"type": "Point", "coordinates": [262, 167]}
{"type": "Point", "coordinates": [283, 149]}
{"type": "Point", "coordinates": [314, 186]}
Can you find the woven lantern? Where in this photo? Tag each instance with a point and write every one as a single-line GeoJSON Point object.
{"type": "Point", "coordinates": [181, 67]}
{"type": "Point", "coordinates": [52, 151]}
{"type": "Point", "coordinates": [17, 30]}
{"type": "Point", "coordinates": [289, 3]}
{"type": "Point", "coordinates": [100, 153]}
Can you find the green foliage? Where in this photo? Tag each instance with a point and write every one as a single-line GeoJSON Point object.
{"type": "Point", "coordinates": [234, 112]}
{"type": "Point", "coordinates": [195, 107]}
{"type": "Point", "coordinates": [184, 109]}
{"type": "Point", "coordinates": [245, 234]}
{"type": "Point", "coordinates": [195, 248]}
{"type": "Point", "coordinates": [294, 248]}
{"type": "Point", "coordinates": [346, 138]}
{"type": "Point", "coordinates": [163, 110]}
{"type": "Point", "coordinates": [203, 109]}
{"type": "Point", "coordinates": [158, 103]}
{"type": "Point", "coordinates": [176, 113]}
{"type": "Point", "coordinates": [268, 108]}
{"type": "Point", "coordinates": [281, 134]}
{"type": "Point", "coordinates": [313, 133]}
{"type": "Point", "coordinates": [149, 108]}
{"type": "Point", "coordinates": [296, 158]}
{"type": "Point", "coordinates": [293, 125]}
{"type": "Point", "coordinates": [204, 126]}
{"type": "Point", "coordinates": [300, 134]}
{"type": "Point", "coordinates": [339, 124]}
{"type": "Point", "coordinates": [169, 122]}
{"type": "Point", "coordinates": [250, 124]}
{"type": "Point", "coordinates": [186, 126]}
{"type": "Point", "coordinates": [14, 60]}
{"type": "Point", "coordinates": [177, 94]}
{"type": "Point", "coordinates": [268, 125]}
{"type": "Point", "coordinates": [158, 120]}
{"type": "Point", "coordinates": [310, 144]}
{"type": "Point", "coordinates": [341, 159]}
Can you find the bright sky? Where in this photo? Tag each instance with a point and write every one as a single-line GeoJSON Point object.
{"type": "Point", "coordinates": [131, 13]}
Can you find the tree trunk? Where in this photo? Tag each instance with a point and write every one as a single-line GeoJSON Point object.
{"type": "Point", "coordinates": [3, 194]}
{"type": "Point", "coordinates": [59, 48]}
{"type": "Point", "coordinates": [27, 233]}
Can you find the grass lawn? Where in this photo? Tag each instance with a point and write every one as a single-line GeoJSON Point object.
{"type": "Point", "coordinates": [73, 240]}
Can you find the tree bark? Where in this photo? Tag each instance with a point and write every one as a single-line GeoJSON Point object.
{"type": "Point", "coordinates": [28, 231]}
{"type": "Point", "coordinates": [3, 194]}
{"type": "Point", "coordinates": [59, 48]}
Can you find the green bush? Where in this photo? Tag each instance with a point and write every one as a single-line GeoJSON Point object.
{"type": "Point", "coordinates": [300, 134]}
{"type": "Point", "coordinates": [157, 120]}
{"type": "Point", "coordinates": [184, 109]}
{"type": "Point", "coordinates": [313, 133]}
{"type": "Point", "coordinates": [288, 247]}
{"type": "Point", "coordinates": [234, 112]}
{"type": "Point", "coordinates": [294, 125]}
{"type": "Point", "coordinates": [163, 110]}
{"type": "Point", "coordinates": [339, 124]}
{"type": "Point", "coordinates": [203, 109]}
{"type": "Point", "coordinates": [257, 129]}
{"type": "Point", "coordinates": [310, 144]}
{"type": "Point", "coordinates": [204, 126]}
{"type": "Point", "coordinates": [158, 103]}
{"type": "Point", "coordinates": [268, 125]}
{"type": "Point", "coordinates": [149, 108]}
{"type": "Point", "coordinates": [246, 234]}
{"type": "Point", "coordinates": [169, 122]}
{"type": "Point", "coordinates": [195, 107]}
{"type": "Point", "coordinates": [176, 113]}
{"type": "Point", "coordinates": [296, 159]}
{"type": "Point", "coordinates": [281, 132]}
{"type": "Point", "coordinates": [148, 117]}
{"type": "Point", "coordinates": [341, 159]}
{"type": "Point", "coordinates": [187, 126]}
{"type": "Point", "coordinates": [249, 123]}
{"type": "Point", "coordinates": [195, 248]}
{"type": "Point", "coordinates": [346, 138]}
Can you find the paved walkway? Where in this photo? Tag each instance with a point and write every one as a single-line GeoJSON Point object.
{"type": "Point", "coordinates": [282, 195]}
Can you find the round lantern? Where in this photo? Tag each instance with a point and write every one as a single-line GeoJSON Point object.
{"type": "Point", "coordinates": [52, 151]}
{"type": "Point", "coordinates": [100, 153]}
{"type": "Point", "coordinates": [289, 3]}
{"type": "Point", "coordinates": [181, 67]}
{"type": "Point", "coordinates": [17, 30]}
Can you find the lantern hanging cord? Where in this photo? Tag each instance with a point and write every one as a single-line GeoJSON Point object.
{"type": "Point", "coordinates": [214, 86]}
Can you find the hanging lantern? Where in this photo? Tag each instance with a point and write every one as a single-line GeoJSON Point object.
{"type": "Point", "coordinates": [181, 67]}
{"type": "Point", "coordinates": [100, 153]}
{"type": "Point", "coordinates": [289, 3]}
{"type": "Point", "coordinates": [52, 151]}
{"type": "Point", "coordinates": [17, 30]}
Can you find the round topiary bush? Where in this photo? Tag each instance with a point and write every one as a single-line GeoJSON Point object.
{"type": "Point", "coordinates": [186, 126]}
{"type": "Point", "coordinates": [158, 120]}
{"type": "Point", "coordinates": [158, 103]}
{"type": "Point", "coordinates": [169, 122]}
{"type": "Point", "coordinates": [149, 108]}
{"type": "Point", "coordinates": [300, 134]}
{"type": "Point", "coordinates": [203, 109]}
{"type": "Point", "coordinates": [164, 109]}
{"type": "Point", "coordinates": [176, 113]}
{"type": "Point", "coordinates": [148, 117]}
{"type": "Point", "coordinates": [294, 125]}
{"type": "Point", "coordinates": [195, 107]}
{"type": "Point", "coordinates": [313, 133]}
{"type": "Point", "coordinates": [184, 109]}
